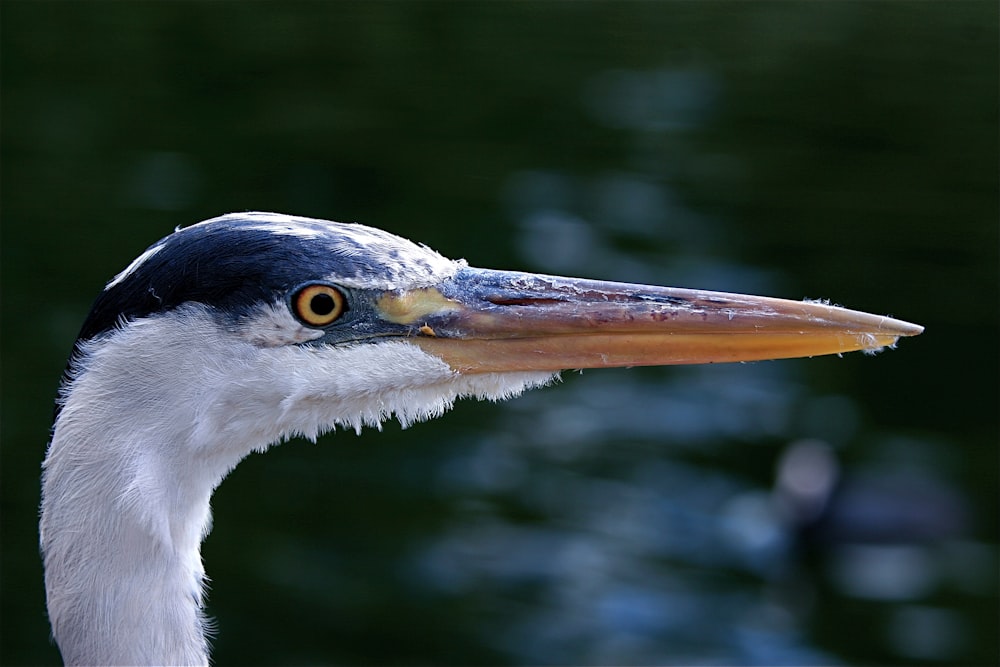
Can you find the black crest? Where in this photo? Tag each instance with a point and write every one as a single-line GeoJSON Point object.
{"type": "Point", "coordinates": [238, 261]}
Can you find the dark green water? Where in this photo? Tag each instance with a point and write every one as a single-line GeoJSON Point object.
{"type": "Point", "coordinates": [837, 150]}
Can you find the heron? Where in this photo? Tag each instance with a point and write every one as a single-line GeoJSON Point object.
{"type": "Point", "coordinates": [239, 332]}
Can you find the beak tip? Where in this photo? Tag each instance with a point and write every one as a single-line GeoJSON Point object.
{"type": "Point", "coordinates": [887, 336]}
{"type": "Point", "coordinates": [907, 328]}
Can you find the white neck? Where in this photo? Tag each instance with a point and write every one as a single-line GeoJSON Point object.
{"type": "Point", "coordinates": [125, 505]}
{"type": "Point", "coordinates": [156, 416]}
{"type": "Point", "coordinates": [126, 590]}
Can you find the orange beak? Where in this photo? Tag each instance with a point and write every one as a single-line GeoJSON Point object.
{"type": "Point", "coordinates": [485, 321]}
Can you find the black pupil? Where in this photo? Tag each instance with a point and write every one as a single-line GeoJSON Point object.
{"type": "Point", "coordinates": [322, 304]}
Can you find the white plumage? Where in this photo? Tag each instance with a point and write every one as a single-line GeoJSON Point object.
{"type": "Point", "coordinates": [195, 356]}
{"type": "Point", "coordinates": [157, 415]}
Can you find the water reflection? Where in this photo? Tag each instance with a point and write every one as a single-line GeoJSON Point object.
{"type": "Point", "coordinates": [643, 551]}
{"type": "Point", "coordinates": [746, 514]}
{"type": "Point", "coordinates": [650, 554]}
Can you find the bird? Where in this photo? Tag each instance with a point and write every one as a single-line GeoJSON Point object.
{"type": "Point", "coordinates": [239, 332]}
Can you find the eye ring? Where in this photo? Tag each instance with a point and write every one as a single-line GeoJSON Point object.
{"type": "Point", "coordinates": [318, 304]}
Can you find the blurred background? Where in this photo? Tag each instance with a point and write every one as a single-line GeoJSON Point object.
{"type": "Point", "coordinates": [823, 511]}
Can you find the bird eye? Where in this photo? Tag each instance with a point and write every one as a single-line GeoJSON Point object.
{"type": "Point", "coordinates": [318, 305]}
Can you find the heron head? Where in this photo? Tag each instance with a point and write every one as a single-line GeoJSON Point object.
{"type": "Point", "coordinates": [237, 332]}
{"type": "Point", "coordinates": [304, 324]}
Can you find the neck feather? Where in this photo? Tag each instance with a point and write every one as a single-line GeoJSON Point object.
{"type": "Point", "coordinates": [153, 417]}
{"type": "Point", "coordinates": [120, 537]}
{"type": "Point", "coordinates": [127, 482]}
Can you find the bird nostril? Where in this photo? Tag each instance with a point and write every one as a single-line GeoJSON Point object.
{"type": "Point", "coordinates": [523, 301]}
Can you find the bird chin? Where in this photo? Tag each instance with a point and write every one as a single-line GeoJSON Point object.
{"type": "Point", "coordinates": [412, 386]}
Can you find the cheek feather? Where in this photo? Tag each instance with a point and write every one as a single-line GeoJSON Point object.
{"type": "Point", "coordinates": [274, 326]}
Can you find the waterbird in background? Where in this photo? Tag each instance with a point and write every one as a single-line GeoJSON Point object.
{"type": "Point", "coordinates": [245, 330]}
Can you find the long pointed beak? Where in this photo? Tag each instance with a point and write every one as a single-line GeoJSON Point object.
{"type": "Point", "coordinates": [485, 321]}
